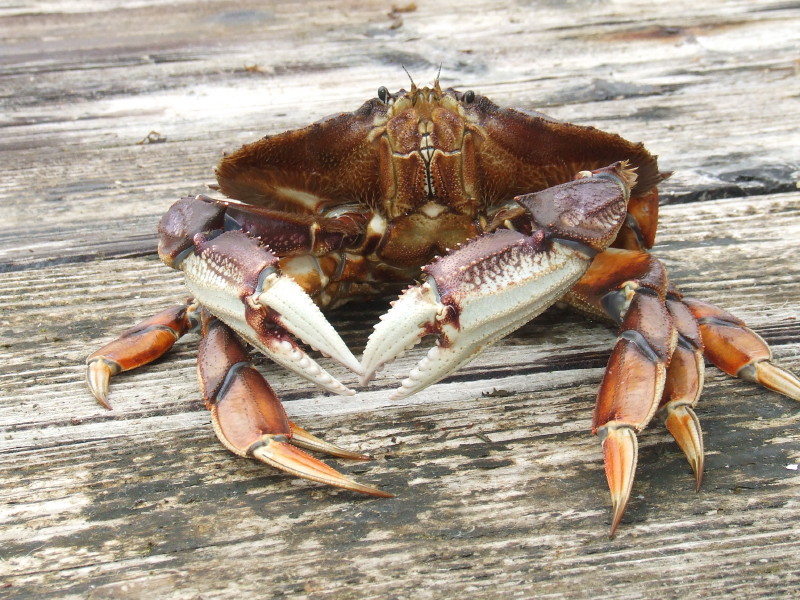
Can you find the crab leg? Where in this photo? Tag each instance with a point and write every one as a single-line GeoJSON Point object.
{"type": "Point", "coordinates": [659, 355]}
{"type": "Point", "coordinates": [492, 285]}
{"type": "Point", "coordinates": [141, 344]}
{"type": "Point", "coordinates": [739, 351]}
{"type": "Point", "coordinates": [239, 281]}
{"type": "Point", "coordinates": [249, 419]}
{"type": "Point", "coordinates": [684, 385]}
{"type": "Point", "coordinates": [630, 287]}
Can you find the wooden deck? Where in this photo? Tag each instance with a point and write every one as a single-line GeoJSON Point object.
{"type": "Point", "coordinates": [500, 487]}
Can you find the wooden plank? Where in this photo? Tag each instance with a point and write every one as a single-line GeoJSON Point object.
{"type": "Point", "coordinates": [500, 486]}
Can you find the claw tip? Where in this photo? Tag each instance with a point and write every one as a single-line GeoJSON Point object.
{"type": "Point", "coordinates": [620, 451]}
{"type": "Point", "coordinates": [698, 480]}
{"type": "Point", "coordinates": [98, 375]}
{"type": "Point", "coordinates": [366, 376]}
{"type": "Point", "coordinates": [775, 378]}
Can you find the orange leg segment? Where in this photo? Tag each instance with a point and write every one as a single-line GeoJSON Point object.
{"type": "Point", "coordinates": [631, 389]}
{"type": "Point", "coordinates": [683, 386]}
{"type": "Point", "coordinates": [739, 351]}
{"type": "Point", "coordinates": [249, 419]}
{"type": "Point", "coordinates": [138, 346]}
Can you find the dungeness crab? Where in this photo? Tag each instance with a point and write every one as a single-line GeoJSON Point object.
{"type": "Point", "coordinates": [500, 213]}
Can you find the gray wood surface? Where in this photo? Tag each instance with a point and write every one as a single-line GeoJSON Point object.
{"type": "Point", "coordinates": [500, 487]}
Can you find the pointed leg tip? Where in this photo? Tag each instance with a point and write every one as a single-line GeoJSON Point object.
{"type": "Point", "coordinates": [282, 455]}
{"type": "Point", "coordinates": [360, 457]}
{"type": "Point", "coordinates": [698, 467]}
{"type": "Point", "coordinates": [618, 506]}
{"type": "Point", "coordinates": [98, 376]}
{"type": "Point", "coordinates": [616, 518]}
{"type": "Point", "coordinates": [776, 378]}
{"type": "Point", "coordinates": [698, 480]}
{"type": "Point", "coordinates": [382, 494]}
{"type": "Point", "coordinates": [101, 396]}
{"type": "Point", "coordinates": [620, 453]}
{"type": "Point", "coordinates": [370, 490]}
{"type": "Point", "coordinates": [307, 440]}
{"type": "Point", "coordinates": [683, 424]}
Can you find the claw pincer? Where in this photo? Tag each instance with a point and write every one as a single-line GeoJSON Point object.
{"type": "Point", "coordinates": [240, 282]}
{"type": "Point", "coordinates": [494, 284]}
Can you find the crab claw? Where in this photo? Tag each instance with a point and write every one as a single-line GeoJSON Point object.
{"type": "Point", "coordinates": [473, 297]}
{"type": "Point", "coordinates": [495, 283]}
{"type": "Point", "coordinates": [294, 310]}
{"type": "Point", "coordinates": [403, 327]}
{"type": "Point", "coordinates": [238, 280]}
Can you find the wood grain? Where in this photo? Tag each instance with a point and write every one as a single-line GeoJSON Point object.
{"type": "Point", "coordinates": [499, 483]}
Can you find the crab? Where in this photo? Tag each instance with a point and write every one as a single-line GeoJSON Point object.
{"type": "Point", "coordinates": [488, 214]}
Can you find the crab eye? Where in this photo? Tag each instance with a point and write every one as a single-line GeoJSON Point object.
{"type": "Point", "coordinates": [383, 94]}
{"type": "Point", "coordinates": [469, 97]}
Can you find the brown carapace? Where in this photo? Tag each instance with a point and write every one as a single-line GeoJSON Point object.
{"type": "Point", "coordinates": [499, 213]}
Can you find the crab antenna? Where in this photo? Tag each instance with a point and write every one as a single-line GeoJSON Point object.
{"type": "Point", "coordinates": [413, 85]}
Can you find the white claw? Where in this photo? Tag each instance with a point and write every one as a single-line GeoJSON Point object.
{"type": "Point", "coordinates": [443, 360]}
{"type": "Point", "coordinates": [510, 296]}
{"type": "Point", "coordinates": [293, 358]}
{"type": "Point", "coordinates": [402, 328]}
{"type": "Point", "coordinates": [219, 292]}
{"type": "Point", "coordinates": [300, 316]}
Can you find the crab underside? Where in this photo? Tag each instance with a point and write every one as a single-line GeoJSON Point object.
{"type": "Point", "coordinates": [497, 213]}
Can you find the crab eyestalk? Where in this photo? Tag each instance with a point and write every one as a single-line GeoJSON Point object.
{"type": "Point", "coordinates": [490, 286]}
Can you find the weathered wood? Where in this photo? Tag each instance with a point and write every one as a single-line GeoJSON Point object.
{"type": "Point", "coordinates": [499, 483]}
